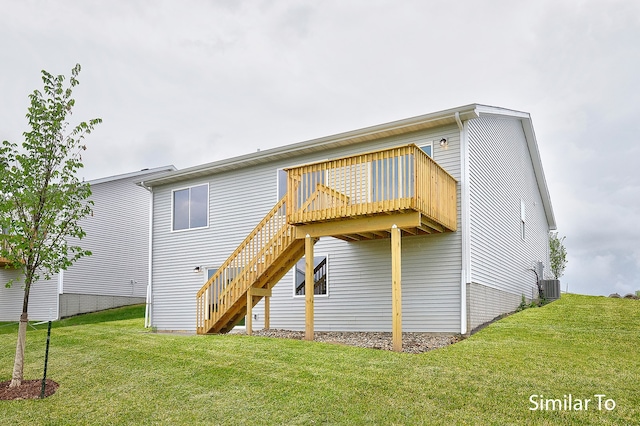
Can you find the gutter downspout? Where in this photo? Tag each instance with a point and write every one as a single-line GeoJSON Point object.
{"type": "Point", "coordinates": [465, 272]}
{"type": "Point", "coordinates": [148, 312]}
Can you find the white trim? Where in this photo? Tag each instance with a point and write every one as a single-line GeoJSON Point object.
{"type": "Point", "coordinates": [60, 290]}
{"type": "Point", "coordinates": [148, 312]}
{"type": "Point", "coordinates": [61, 281]}
{"type": "Point", "coordinates": [293, 287]}
{"type": "Point", "coordinates": [463, 302]}
{"type": "Point", "coordinates": [173, 191]}
{"type": "Point", "coordinates": [465, 223]}
{"type": "Point", "coordinates": [142, 172]}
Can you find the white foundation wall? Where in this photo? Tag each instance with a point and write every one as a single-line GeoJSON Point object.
{"type": "Point", "coordinates": [484, 304]}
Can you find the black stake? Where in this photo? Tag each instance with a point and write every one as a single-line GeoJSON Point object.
{"type": "Point", "coordinates": [46, 361]}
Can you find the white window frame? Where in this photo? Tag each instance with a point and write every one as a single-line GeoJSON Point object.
{"type": "Point", "coordinates": [302, 296]}
{"type": "Point", "coordinates": [173, 208]}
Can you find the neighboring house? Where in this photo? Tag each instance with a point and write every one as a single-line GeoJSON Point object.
{"type": "Point", "coordinates": [465, 187]}
{"type": "Point", "coordinates": [114, 275]}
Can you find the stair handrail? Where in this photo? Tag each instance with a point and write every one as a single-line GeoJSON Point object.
{"type": "Point", "coordinates": [277, 236]}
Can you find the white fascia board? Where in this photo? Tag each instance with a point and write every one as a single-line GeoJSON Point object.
{"type": "Point", "coordinates": [486, 109]}
{"type": "Point", "coordinates": [537, 167]}
{"type": "Point", "coordinates": [138, 173]}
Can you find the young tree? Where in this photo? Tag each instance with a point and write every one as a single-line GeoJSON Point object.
{"type": "Point", "coordinates": [558, 255]}
{"type": "Point", "coordinates": [41, 197]}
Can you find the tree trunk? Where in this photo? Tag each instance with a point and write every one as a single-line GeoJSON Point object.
{"type": "Point", "coordinates": [18, 365]}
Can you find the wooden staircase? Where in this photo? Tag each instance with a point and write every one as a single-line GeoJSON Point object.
{"type": "Point", "coordinates": [259, 262]}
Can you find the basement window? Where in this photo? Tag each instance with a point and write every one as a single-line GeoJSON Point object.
{"type": "Point", "coordinates": [190, 207]}
{"type": "Point", "coordinates": [320, 275]}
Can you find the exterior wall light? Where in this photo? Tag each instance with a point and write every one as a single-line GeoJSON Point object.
{"type": "Point", "coordinates": [444, 143]}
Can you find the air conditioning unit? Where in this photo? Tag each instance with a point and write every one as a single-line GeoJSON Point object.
{"type": "Point", "coordinates": [551, 289]}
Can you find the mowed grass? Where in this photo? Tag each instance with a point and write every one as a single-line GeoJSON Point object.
{"type": "Point", "coordinates": [113, 371]}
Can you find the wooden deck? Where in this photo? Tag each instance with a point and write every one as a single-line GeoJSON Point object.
{"type": "Point", "coordinates": [363, 196]}
{"type": "Point", "coordinates": [382, 194]}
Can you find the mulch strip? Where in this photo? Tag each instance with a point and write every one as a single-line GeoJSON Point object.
{"type": "Point", "coordinates": [29, 389]}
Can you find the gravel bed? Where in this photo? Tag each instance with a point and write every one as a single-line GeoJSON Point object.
{"type": "Point", "coordinates": [414, 343]}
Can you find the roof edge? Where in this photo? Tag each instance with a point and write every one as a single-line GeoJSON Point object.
{"type": "Point", "coordinates": [143, 172]}
{"type": "Point", "coordinates": [406, 125]}
{"type": "Point", "coordinates": [534, 152]}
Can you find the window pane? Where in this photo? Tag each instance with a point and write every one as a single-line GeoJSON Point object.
{"type": "Point", "coordinates": [199, 200]}
{"type": "Point", "coordinates": [299, 278]}
{"type": "Point", "coordinates": [181, 209]}
{"type": "Point", "coordinates": [319, 276]}
{"type": "Point", "coordinates": [426, 149]}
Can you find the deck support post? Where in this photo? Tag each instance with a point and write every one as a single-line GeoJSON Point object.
{"type": "Point", "coordinates": [267, 309]}
{"type": "Point", "coordinates": [396, 289]}
{"type": "Point", "coordinates": [249, 322]}
{"type": "Point", "coordinates": [308, 287]}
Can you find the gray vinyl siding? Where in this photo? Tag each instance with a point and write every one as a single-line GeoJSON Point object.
{"type": "Point", "coordinates": [115, 274]}
{"type": "Point", "coordinates": [43, 302]}
{"type": "Point", "coordinates": [118, 237]}
{"type": "Point", "coordinates": [237, 202]}
{"type": "Point", "coordinates": [359, 273]}
{"type": "Point", "coordinates": [359, 288]}
{"type": "Point", "coordinates": [501, 176]}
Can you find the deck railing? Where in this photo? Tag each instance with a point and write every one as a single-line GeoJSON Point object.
{"type": "Point", "coordinates": [240, 270]}
{"type": "Point", "coordinates": [390, 180]}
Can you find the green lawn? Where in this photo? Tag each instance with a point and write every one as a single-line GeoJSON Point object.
{"type": "Point", "coordinates": [113, 371]}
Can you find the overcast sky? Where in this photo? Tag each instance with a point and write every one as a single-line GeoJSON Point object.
{"type": "Point", "coordinates": [186, 83]}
